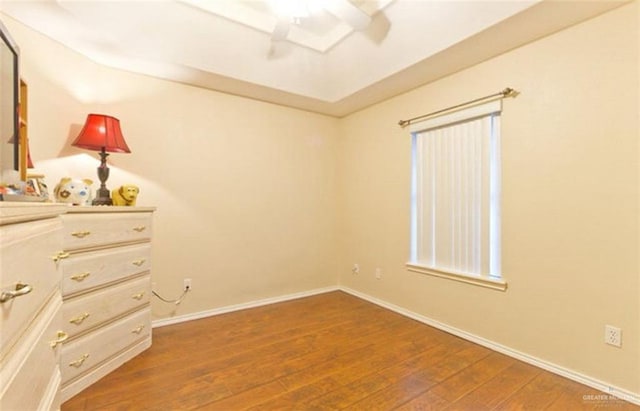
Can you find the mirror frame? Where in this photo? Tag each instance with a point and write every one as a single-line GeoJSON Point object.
{"type": "Point", "coordinates": [8, 41]}
{"type": "Point", "coordinates": [23, 145]}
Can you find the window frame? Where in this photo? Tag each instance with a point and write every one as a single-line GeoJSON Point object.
{"type": "Point", "coordinates": [491, 108]}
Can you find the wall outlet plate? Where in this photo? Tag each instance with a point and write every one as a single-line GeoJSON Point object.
{"type": "Point", "coordinates": [613, 335]}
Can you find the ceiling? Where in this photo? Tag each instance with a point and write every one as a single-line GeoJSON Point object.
{"type": "Point", "coordinates": [343, 56]}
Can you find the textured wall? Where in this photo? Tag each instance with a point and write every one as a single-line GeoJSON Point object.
{"type": "Point", "coordinates": [244, 189]}
{"type": "Point", "coordinates": [569, 201]}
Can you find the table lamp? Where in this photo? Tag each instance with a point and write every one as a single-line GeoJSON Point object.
{"type": "Point", "coordinates": [102, 133]}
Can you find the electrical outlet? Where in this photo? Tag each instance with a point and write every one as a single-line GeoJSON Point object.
{"type": "Point", "coordinates": [613, 335]}
{"type": "Point", "coordinates": [378, 273]}
{"type": "Point", "coordinates": [187, 284]}
{"type": "Point", "coordinates": [355, 269]}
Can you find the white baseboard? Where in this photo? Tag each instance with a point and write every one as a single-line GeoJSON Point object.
{"type": "Point", "coordinates": [237, 307]}
{"type": "Point", "coordinates": [545, 365]}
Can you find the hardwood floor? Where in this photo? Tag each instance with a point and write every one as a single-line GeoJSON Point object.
{"type": "Point", "coordinates": [327, 352]}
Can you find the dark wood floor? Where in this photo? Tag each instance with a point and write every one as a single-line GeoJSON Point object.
{"type": "Point", "coordinates": [327, 352]}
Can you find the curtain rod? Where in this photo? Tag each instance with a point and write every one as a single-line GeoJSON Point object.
{"type": "Point", "coordinates": [507, 92]}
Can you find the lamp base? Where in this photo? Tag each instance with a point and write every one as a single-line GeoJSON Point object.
{"type": "Point", "coordinates": [102, 198]}
{"type": "Point", "coordinates": [102, 201]}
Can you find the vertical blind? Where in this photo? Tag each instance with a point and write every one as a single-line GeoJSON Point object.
{"type": "Point", "coordinates": [456, 187]}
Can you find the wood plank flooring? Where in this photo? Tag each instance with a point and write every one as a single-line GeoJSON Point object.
{"type": "Point", "coordinates": [327, 352]}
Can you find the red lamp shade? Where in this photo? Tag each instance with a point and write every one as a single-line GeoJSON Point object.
{"type": "Point", "coordinates": [102, 132]}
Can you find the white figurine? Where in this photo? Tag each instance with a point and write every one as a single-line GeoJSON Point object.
{"type": "Point", "coordinates": [73, 191]}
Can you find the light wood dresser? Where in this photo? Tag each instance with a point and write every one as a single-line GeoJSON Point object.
{"type": "Point", "coordinates": [106, 291]}
{"type": "Point", "coordinates": [31, 330]}
{"type": "Point", "coordinates": [75, 286]}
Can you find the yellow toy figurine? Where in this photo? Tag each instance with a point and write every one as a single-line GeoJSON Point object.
{"type": "Point", "coordinates": [125, 195]}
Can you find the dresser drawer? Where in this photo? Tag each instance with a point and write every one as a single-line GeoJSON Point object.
{"type": "Point", "coordinates": [86, 271]}
{"type": "Point", "coordinates": [95, 230]}
{"type": "Point", "coordinates": [26, 256]}
{"type": "Point", "coordinates": [30, 375]}
{"type": "Point", "coordinates": [82, 355]}
{"type": "Point", "coordinates": [87, 311]}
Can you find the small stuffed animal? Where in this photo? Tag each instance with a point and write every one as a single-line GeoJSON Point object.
{"type": "Point", "coordinates": [73, 191]}
{"type": "Point", "coordinates": [125, 195]}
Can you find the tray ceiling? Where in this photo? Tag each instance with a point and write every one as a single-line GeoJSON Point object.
{"type": "Point", "coordinates": [341, 57]}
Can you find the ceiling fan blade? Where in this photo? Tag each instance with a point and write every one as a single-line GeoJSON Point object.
{"type": "Point", "coordinates": [281, 30]}
{"type": "Point", "coordinates": [347, 11]}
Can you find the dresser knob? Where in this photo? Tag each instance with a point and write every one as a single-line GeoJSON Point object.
{"type": "Point", "coordinates": [61, 337]}
{"type": "Point", "coordinates": [138, 296]}
{"type": "Point", "coordinates": [138, 329]}
{"type": "Point", "coordinates": [139, 262]}
{"type": "Point", "coordinates": [80, 234]}
{"type": "Point", "coordinates": [139, 228]}
{"type": "Point", "coordinates": [79, 319]}
{"type": "Point", "coordinates": [20, 290]}
{"type": "Point", "coordinates": [60, 256]}
{"type": "Point", "coordinates": [78, 363]}
{"type": "Point", "coordinates": [81, 276]}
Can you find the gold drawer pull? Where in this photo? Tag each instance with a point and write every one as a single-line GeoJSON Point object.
{"type": "Point", "coordinates": [138, 329]}
{"type": "Point", "coordinates": [81, 276]}
{"type": "Point", "coordinates": [78, 363]}
{"type": "Point", "coordinates": [139, 262]}
{"type": "Point", "coordinates": [80, 234]}
{"type": "Point", "coordinates": [61, 337]}
{"type": "Point", "coordinates": [20, 290]}
{"type": "Point", "coordinates": [138, 296]}
{"type": "Point", "coordinates": [139, 228]}
{"type": "Point", "coordinates": [60, 256]}
{"type": "Point", "coordinates": [79, 319]}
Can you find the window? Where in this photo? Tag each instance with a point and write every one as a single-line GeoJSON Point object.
{"type": "Point", "coordinates": [455, 196]}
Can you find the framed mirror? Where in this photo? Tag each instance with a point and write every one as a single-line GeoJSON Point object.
{"type": "Point", "coordinates": [9, 109]}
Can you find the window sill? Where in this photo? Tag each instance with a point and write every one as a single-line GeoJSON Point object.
{"type": "Point", "coordinates": [493, 283]}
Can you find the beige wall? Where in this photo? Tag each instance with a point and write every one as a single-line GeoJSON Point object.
{"type": "Point", "coordinates": [256, 200]}
{"type": "Point", "coordinates": [570, 201]}
{"type": "Point", "coordinates": [244, 189]}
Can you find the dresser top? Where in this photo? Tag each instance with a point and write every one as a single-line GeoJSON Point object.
{"type": "Point", "coordinates": [16, 212]}
{"type": "Point", "coordinates": [108, 209]}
